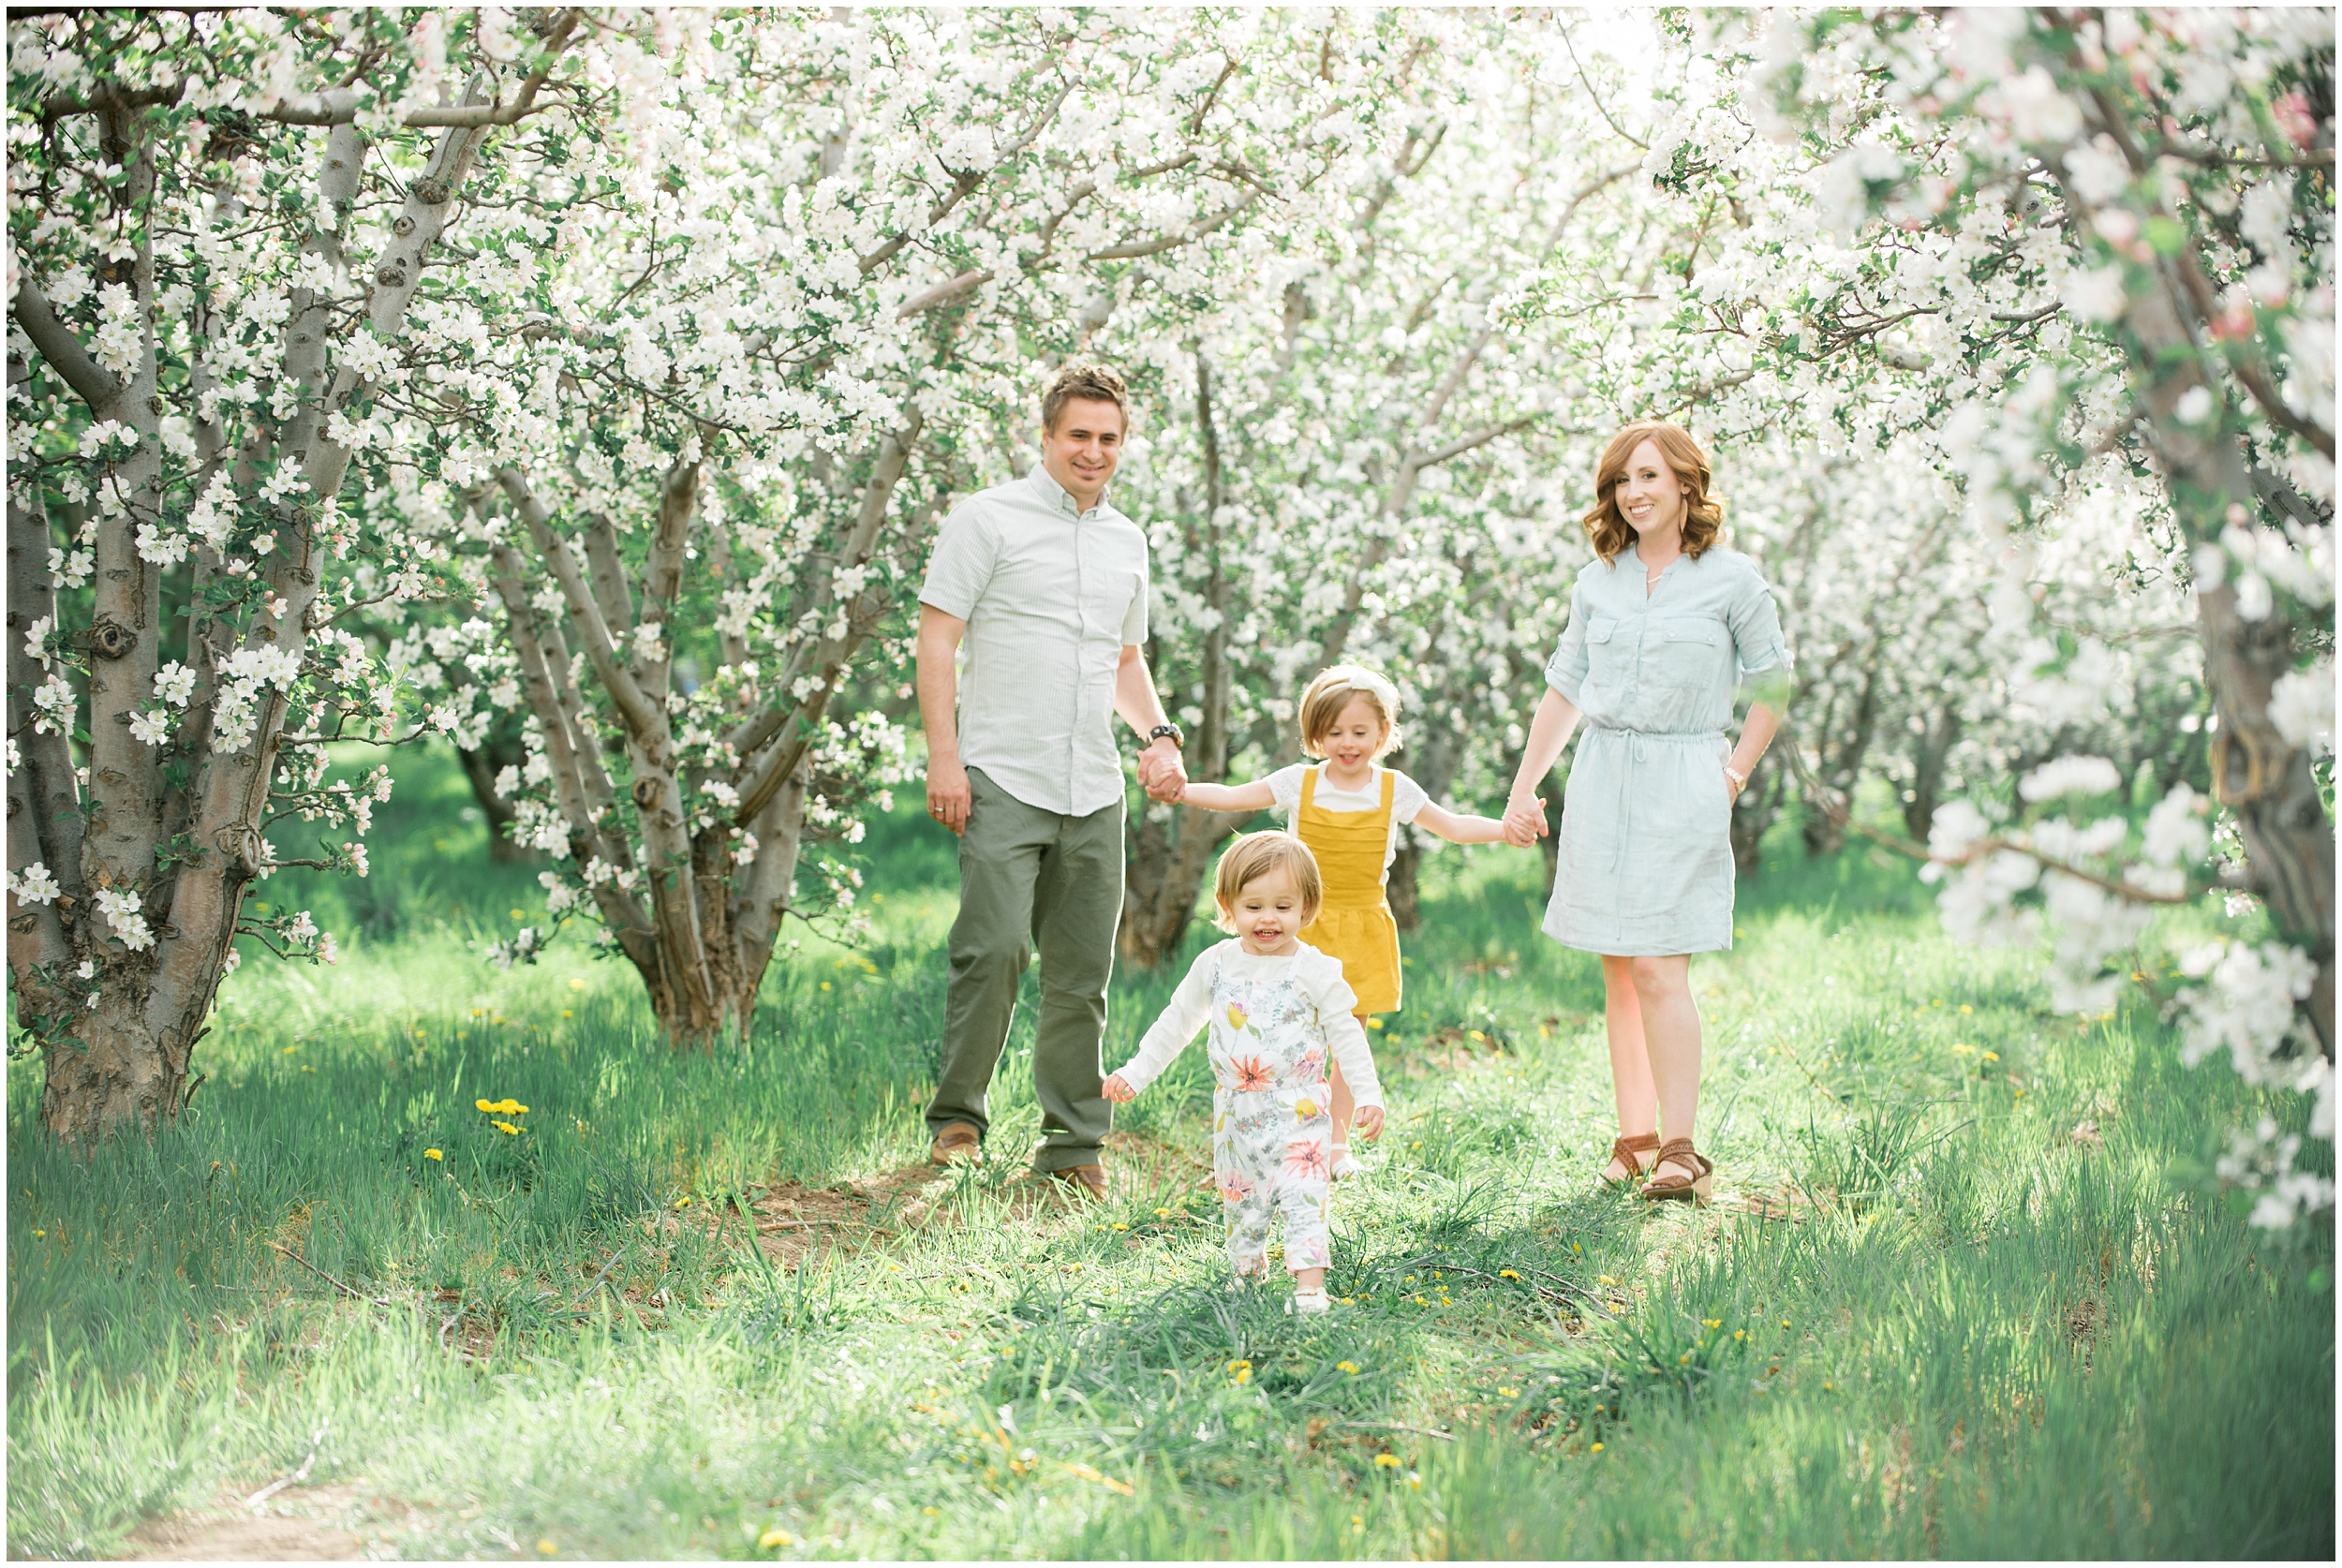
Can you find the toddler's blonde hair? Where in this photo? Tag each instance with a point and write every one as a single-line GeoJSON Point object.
{"type": "Point", "coordinates": [1332, 691]}
{"type": "Point", "coordinates": [1255, 855]}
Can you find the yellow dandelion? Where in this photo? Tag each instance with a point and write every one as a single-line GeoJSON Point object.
{"type": "Point", "coordinates": [1385, 1461]}
{"type": "Point", "coordinates": [1475, 1034]}
{"type": "Point", "coordinates": [1992, 1056]}
{"type": "Point", "coordinates": [1508, 1392]}
{"type": "Point", "coordinates": [1373, 1022]}
{"type": "Point", "coordinates": [506, 1128]}
{"type": "Point", "coordinates": [487, 1106]}
{"type": "Point", "coordinates": [1712, 1323]}
{"type": "Point", "coordinates": [1597, 1448]}
{"type": "Point", "coordinates": [577, 985]}
{"type": "Point", "coordinates": [824, 984]}
{"type": "Point", "coordinates": [433, 1154]}
{"type": "Point", "coordinates": [1349, 1367]}
{"type": "Point", "coordinates": [1506, 1274]}
{"type": "Point", "coordinates": [775, 1536]}
{"type": "Point", "coordinates": [545, 1544]}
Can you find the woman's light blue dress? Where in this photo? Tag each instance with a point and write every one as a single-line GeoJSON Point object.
{"type": "Point", "coordinates": [1645, 863]}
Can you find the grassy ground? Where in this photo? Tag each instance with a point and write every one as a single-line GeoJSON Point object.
{"type": "Point", "coordinates": [1969, 1289]}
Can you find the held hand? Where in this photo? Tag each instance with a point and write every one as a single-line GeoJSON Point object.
{"type": "Point", "coordinates": [1369, 1123]}
{"type": "Point", "coordinates": [1163, 771]}
{"type": "Point", "coordinates": [1525, 822]}
{"type": "Point", "coordinates": [949, 798]}
{"type": "Point", "coordinates": [1114, 1088]}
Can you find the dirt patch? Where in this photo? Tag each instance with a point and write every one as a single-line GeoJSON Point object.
{"type": "Point", "coordinates": [307, 1524]}
{"type": "Point", "coordinates": [794, 1219]}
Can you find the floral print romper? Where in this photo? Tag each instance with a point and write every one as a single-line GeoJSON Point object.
{"type": "Point", "coordinates": [1270, 1123]}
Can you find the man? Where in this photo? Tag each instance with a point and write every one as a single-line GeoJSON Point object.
{"type": "Point", "coordinates": [1048, 585]}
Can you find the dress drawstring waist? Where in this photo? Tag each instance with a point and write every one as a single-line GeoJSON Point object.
{"type": "Point", "coordinates": [1621, 733]}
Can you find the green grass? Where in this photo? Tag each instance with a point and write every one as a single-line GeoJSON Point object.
{"type": "Point", "coordinates": [1973, 1334]}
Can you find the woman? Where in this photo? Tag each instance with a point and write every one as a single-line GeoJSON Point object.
{"type": "Point", "coordinates": [1664, 624]}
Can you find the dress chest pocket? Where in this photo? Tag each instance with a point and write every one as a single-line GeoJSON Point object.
{"type": "Point", "coordinates": [1606, 654]}
{"type": "Point", "coordinates": [1685, 650]}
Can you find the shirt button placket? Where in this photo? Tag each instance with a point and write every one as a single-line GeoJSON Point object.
{"type": "Point", "coordinates": [1081, 636]}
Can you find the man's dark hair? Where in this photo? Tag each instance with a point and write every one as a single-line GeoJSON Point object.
{"type": "Point", "coordinates": [1093, 383]}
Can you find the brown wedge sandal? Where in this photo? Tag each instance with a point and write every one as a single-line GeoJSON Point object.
{"type": "Point", "coordinates": [1676, 1188]}
{"type": "Point", "coordinates": [1623, 1149]}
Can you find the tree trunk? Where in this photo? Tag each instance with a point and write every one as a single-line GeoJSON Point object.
{"type": "Point", "coordinates": [2256, 772]}
{"type": "Point", "coordinates": [109, 1073]}
{"type": "Point", "coordinates": [1929, 763]}
{"type": "Point", "coordinates": [1404, 890]}
{"type": "Point", "coordinates": [498, 751]}
{"type": "Point", "coordinates": [1168, 860]}
{"type": "Point", "coordinates": [1168, 851]}
{"type": "Point", "coordinates": [1753, 815]}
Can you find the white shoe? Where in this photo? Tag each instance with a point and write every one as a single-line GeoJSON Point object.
{"type": "Point", "coordinates": [1344, 1167]}
{"type": "Point", "coordinates": [1310, 1301]}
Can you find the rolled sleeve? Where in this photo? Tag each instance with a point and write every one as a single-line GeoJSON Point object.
{"type": "Point", "coordinates": [1565, 671]}
{"type": "Point", "coordinates": [1754, 622]}
{"type": "Point", "coordinates": [961, 566]}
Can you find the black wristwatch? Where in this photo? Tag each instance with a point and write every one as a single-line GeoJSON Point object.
{"type": "Point", "coordinates": [1178, 736]}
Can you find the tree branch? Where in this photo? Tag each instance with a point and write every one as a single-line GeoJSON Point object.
{"type": "Point", "coordinates": [765, 777]}
{"type": "Point", "coordinates": [59, 347]}
{"type": "Point", "coordinates": [643, 716]}
{"type": "Point", "coordinates": [1172, 242]}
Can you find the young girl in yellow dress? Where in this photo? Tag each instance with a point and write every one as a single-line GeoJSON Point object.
{"type": "Point", "coordinates": [1348, 809]}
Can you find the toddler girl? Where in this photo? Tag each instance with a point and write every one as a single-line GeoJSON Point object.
{"type": "Point", "coordinates": [1348, 810]}
{"type": "Point", "coordinates": [1278, 1011]}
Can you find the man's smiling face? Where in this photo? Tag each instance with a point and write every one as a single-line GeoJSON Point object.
{"type": "Point", "coordinates": [1081, 453]}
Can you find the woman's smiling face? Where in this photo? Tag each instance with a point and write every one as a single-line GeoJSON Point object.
{"type": "Point", "coordinates": [1650, 495]}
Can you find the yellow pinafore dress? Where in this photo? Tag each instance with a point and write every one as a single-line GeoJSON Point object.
{"type": "Point", "coordinates": [1355, 923]}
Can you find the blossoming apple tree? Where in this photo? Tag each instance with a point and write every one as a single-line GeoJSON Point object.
{"type": "Point", "coordinates": [223, 226]}
{"type": "Point", "coordinates": [702, 467]}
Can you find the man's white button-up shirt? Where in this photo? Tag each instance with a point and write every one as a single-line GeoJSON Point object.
{"type": "Point", "coordinates": [1051, 596]}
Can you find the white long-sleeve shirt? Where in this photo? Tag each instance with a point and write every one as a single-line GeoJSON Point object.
{"type": "Point", "coordinates": [1320, 979]}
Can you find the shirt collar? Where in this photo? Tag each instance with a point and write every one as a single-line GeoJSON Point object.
{"type": "Point", "coordinates": [1055, 495]}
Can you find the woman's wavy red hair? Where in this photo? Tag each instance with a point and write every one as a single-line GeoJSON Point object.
{"type": "Point", "coordinates": [1703, 514]}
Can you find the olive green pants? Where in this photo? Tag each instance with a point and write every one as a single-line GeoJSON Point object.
{"type": "Point", "coordinates": [1028, 878]}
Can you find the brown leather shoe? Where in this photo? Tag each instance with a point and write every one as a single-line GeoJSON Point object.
{"type": "Point", "coordinates": [959, 1143]}
{"type": "Point", "coordinates": [1090, 1179]}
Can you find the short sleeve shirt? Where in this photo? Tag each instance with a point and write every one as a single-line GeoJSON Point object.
{"type": "Point", "coordinates": [1667, 663]}
{"type": "Point", "coordinates": [1051, 596]}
